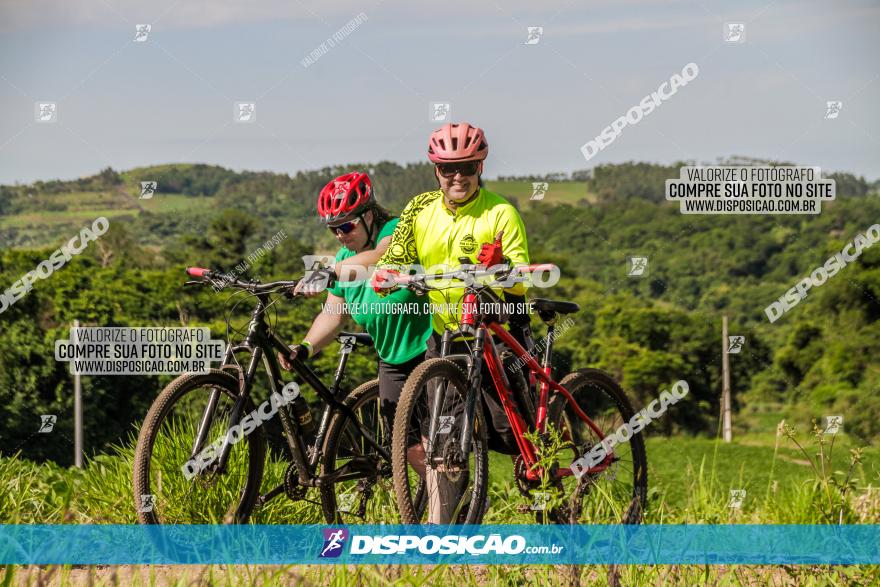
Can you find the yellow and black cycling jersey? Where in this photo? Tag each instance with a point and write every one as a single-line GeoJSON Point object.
{"type": "Point", "coordinates": [433, 236]}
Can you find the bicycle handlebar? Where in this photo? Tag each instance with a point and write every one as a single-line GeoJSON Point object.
{"type": "Point", "coordinates": [252, 286]}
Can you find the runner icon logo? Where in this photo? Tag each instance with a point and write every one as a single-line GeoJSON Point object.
{"type": "Point", "coordinates": [334, 541]}
{"type": "Point", "coordinates": [735, 344]}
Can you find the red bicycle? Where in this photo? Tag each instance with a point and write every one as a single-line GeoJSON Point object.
{"type": "Point", "coordinates": [438, 410]}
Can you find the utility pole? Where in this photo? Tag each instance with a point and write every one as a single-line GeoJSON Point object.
{"type": "Point", "coordinates": [725, 383]}
{"type": "Point", "coordinates": [77, 407]}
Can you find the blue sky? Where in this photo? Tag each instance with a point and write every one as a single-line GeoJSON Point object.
{"type": "Point", "coordinates": [171, 98]}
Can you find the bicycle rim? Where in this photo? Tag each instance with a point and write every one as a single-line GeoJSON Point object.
{"type": "Point", "coordinates": [452, 489]}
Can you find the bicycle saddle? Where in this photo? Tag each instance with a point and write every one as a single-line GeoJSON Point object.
{"type": "Point", "coordinates": [359, 337]}
{"type": "Point", "coordinates": [549, 307]}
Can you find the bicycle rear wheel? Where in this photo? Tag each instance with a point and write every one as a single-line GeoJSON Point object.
{"type": "Point", "coordinates": [166, 443]}
{"type": "Point", "coordinates": [364, 492]}
{"type": "Point", "coordinates": [449, 489]}
{"type": "Point", "coordinates": [618, 494]}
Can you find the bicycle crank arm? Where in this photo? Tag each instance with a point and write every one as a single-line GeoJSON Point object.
{"type": "Point", "coordinates": [273, 493]}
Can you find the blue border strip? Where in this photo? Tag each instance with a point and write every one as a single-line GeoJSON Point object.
{"type": "Point", "coordinates": [301, 544]}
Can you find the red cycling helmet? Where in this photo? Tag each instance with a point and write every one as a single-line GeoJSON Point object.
{"type": "Point", "coordinates": [452, 143]}
{"type": "Point", "coordinates": [345, 196]}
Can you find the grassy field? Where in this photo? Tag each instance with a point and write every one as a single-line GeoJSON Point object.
{"type": "Point", "coordinates": [689, 479]}
{"type": "Point", "coordinates": [52, 227]}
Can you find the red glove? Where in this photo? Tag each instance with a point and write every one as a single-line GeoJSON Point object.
{"type": "Point", "coordinates": [383, 279]}
{"type": "Point", "coordinates": [491, 254]}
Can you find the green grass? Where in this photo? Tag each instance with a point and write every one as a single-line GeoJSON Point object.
{"type": "Point", "coordinates": [689, 478]}
{"type": "Point", "coordinates": [689, 481]}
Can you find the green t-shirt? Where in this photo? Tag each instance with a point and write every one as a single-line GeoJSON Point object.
{"type": "Point", "coordinates": [400, 323]}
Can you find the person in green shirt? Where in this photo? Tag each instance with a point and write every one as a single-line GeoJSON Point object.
{"type": "Point", "coordinates": [399, 324]}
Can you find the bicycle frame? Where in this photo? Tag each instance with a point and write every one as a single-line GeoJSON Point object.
{"type": "Point", "coordinates": [261, 344]}
{"type": "Point", "coordinates": [542, 374]}
{"type": "Point", "coordinates": [484, 349]}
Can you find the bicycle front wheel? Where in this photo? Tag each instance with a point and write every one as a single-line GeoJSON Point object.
{"type": "Point", "coordinates": [449, 487]}
{"type": "Point", "coordinates": [172, 483]}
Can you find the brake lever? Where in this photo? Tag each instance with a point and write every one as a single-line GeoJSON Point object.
{"type": "Point", "coordinates": [194, 282]}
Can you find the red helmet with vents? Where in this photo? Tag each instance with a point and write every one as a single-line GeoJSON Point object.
{"type": "Point", "coordinates": [345, 196]}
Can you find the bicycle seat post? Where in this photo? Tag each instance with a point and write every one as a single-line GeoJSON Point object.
{"type": "Point", "coordinates": [551, 328]}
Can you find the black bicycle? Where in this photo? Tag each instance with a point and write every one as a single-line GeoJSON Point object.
{"type": "Point", "coordinates": [202, 450]}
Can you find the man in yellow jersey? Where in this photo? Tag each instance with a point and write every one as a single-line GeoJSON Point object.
{"type": "Point", "coordinates": [461, 219]}
{"type": "Point", "coordinates": [439, 227]}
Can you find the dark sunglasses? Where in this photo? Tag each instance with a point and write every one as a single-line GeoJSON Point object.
{"type": "Point", "coordinates": [466, 169]}
{"type": "Point", "coordinates": [346, 227]}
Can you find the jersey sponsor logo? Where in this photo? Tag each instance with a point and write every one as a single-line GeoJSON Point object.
{"type": "Point", "coordinates": [468, 244]}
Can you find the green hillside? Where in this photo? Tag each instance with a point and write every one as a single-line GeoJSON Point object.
{"type": "Point", "coordinates": [819, 359]}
